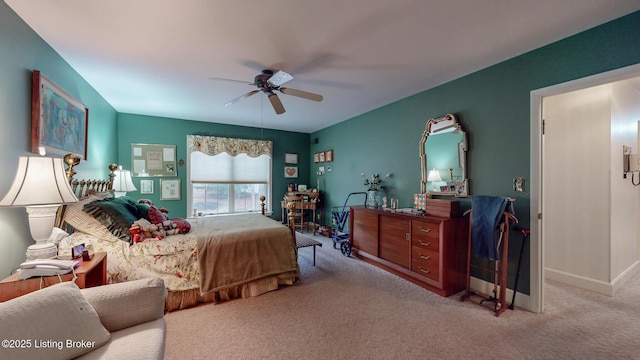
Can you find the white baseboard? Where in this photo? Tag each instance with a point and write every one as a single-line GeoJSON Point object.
{"type": "Point", "coordinates": [598, 286]}
{"type": "Point", "coordinates": [626, 275]}
{"type": "Point", "coordinates": [485, 287]}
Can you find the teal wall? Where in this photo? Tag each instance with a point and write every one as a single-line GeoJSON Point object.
{"type": "Point", "coordinates": [493, 106]}
{"type": "Point", "coordinates": [21, 52]}
{"type": "Point", "coordinates": [158, 130]}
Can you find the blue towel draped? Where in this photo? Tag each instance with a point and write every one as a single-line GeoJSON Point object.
{"type": "Point", "coordinates": [487, 214]}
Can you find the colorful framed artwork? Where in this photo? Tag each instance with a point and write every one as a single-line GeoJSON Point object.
{"type": "Point", "coordinates": [146, 186]}
{"type": "Point", "coordinates": [290, 171]}
{"type": "Point", "coordinates": [59, 122]}
{"type": "Point", "coordinates": [169, 189]}
{"type": "Point", "coordinates": [328, 155]}
{"type": "Point", "coordinates": [290, 158]}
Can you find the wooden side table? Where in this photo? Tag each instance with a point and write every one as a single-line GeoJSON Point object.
{"type": "Point", "coordinates": [90, 273]}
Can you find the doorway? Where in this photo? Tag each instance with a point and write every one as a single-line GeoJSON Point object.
{"type": "Point", "coordinates": [564, 179]}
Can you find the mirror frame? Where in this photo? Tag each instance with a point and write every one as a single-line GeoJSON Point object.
{"type": "Point", "coordinates": [432, 127]}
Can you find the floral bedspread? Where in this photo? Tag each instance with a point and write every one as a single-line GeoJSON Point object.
{"type": "Point", "coordinates": [174, 258]}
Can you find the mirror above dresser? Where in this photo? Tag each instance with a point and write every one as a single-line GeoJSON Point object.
{"type": "Point", "coordinates": [443, 156]}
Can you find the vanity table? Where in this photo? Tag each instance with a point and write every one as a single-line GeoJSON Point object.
{"type": "Point", "coordinates": [429, 251]}
{"type": "Point", "coordinates": [312, 203]}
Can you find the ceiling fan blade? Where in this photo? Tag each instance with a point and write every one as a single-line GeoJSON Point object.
{"type": "Point", "coordinates": [276, 103]}
{"type": "Point", "coordinates": [279, 78]}
{"type": "Point", "coordinates": [242, 97]}
{"type": "Point", "coordinates": [302, 94]}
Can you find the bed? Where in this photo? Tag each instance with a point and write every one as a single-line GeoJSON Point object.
{"type": "Point", "coordinates": [220, 258]}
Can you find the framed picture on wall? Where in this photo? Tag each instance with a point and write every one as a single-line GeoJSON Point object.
{"type": "Point", "coordinates": [328, 155]}
{"type": "Point", "coordinates": [151, 160]}
{"type": "Point", "coordinates": [58, 121]}
{"type": "Point", "coordinates": [146, 186]}
{"type": "Point", "coordinates": [290, 158]}
{"type": "Point", "coordinates": [290, 171]}
{"type": "Point", "coordinates": [169, 189]}
{"type": "Point", "coordinates": [316, 157]}
{"type": "Point", "coordinates": [322, 156]}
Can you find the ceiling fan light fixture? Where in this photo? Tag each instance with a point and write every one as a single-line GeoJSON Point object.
{"type": "Point", "coordinates": [279, 78]}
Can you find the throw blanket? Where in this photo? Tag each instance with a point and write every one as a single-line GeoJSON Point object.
{"type": "Point", "coordinates": [488, 212]}
{"type": "Point", "coordinates": [237, 249]}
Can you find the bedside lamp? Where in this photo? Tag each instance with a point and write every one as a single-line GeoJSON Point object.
{"type": "Point", "coordinates": [122, 182]}
{"type": "Point", "coordinates": [40, 186]}
{"type": "Point", "coordinates": [434, 176]}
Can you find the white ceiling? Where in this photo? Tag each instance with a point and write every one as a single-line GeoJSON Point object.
{"type": "Point", "coordinates": [156, 57]}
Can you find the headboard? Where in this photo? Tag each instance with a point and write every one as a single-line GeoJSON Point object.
{"type": "Point", "coordinates": [82, 188]}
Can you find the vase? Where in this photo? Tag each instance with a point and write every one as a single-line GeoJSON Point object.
{"type": "Point", "coordinates": [372, 198]}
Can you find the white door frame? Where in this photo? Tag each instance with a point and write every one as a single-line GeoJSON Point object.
{"type": "Point", "coordinates": [536, 242]}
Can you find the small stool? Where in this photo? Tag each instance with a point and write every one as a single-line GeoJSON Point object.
{"type": "Point", "coordinates": [303, 241]}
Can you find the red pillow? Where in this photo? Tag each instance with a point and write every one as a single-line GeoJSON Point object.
{"type": "Point", "coordinates": [182, 225]}
{"type": "Point", "coordinates": [156, 216]}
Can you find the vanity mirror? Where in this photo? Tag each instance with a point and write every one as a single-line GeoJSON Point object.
{"type": "Point", "coordinates": [443, 157]}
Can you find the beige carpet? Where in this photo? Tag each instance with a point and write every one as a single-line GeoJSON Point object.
{"type": "Point", "coordinates": [347, 309]}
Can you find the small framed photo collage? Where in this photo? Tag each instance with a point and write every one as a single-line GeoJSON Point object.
{"type": "Point", "coordinates": [323, 156]}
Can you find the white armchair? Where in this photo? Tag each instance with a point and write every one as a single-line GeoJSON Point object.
{"type": "Point", "coordinates": [117, 321]}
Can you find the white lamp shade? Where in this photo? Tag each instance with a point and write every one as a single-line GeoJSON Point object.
{"type": "Point", "coordinates": [39, 181]}
{"type": "Point", "coordinates": [434, 175]}
{"type": "Point", "coordinates": [122, 182]}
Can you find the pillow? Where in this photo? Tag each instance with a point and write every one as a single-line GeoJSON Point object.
{"type": "Point", "coordinates": [156, 216]}
{"type": "Point", "coordinates": [116, 214]}
{"type": "Point", "coordinates": [181, 224]}
{"type": "Point", "coordinates": [128, 303]}
{"type": "Point", "coordinates": [83, 222]}
{"type": "Point", "coordinates": [56, 322]}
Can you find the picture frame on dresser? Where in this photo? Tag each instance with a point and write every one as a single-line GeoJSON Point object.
{"type": "Point", "coordinates": [59, 122]}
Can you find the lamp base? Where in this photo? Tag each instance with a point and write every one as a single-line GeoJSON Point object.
{"type": "Point", "coordinates": [42, 251]}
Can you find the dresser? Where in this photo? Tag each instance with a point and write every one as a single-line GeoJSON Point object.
{"type": "Point", "coordinates": [429, 251]}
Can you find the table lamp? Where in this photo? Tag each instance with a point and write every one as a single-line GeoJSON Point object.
{"type": "Point", "coordinates": [122, 182]}
{"type": "Point", "coordinates": [434, 176]}
{"type": "Point", "coordinates": [40, 186]}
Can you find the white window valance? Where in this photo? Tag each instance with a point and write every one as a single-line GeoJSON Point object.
{"type": "Point", "coordinates": [213, 145]}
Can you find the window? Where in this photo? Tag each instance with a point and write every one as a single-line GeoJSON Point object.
{"type": "Point", "coordinates": [228, 175]}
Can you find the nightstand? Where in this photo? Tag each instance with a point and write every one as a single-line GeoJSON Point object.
{"type": "Point", "coordinates": [90, 273]}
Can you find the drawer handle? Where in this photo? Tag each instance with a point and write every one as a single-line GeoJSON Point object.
{"type": "Point", "coordinates": [425, 257]}
{"type": "Point", "coordinates": [424, 243]}
{"type": "Point", "coordinates": [423, 270]}
{"type": "Point", "coordinates": [423, 229]}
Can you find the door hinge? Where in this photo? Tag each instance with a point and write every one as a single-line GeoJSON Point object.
{"type": "Point", "coordinates": [543, 126]}
{"type": "Point", "coordinates": [539, 216]}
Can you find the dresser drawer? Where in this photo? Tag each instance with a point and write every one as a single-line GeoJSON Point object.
{"type": "Point", "coordinates": [425, 235]}
{"type": "Point", "coordinates": [427, 269]}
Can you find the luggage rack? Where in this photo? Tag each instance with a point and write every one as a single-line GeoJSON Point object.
{"type": "Point", "coordinates": [339, 224]}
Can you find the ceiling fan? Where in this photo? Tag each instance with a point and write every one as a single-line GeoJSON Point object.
{"type": "Point", "coordinates": [268, 82]}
